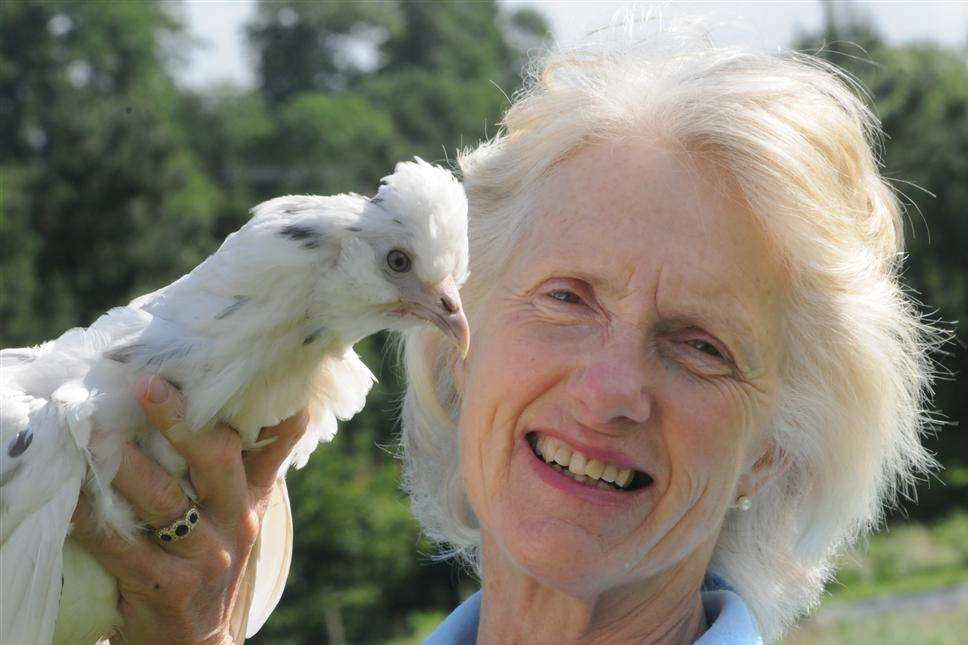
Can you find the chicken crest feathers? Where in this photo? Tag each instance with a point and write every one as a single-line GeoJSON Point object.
{"type": "Point", "coordinates": [433, 205]}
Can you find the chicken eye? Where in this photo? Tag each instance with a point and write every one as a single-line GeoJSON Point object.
{"type": "Point", "coordinates": [704, 347]}
{"type": "Point", "coordinates": [398, 261]}
{"type": "Point", "coordinates": [564, 295]}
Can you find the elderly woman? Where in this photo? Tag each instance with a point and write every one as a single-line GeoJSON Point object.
{"type": "Point", "coordinates": [694, 374]}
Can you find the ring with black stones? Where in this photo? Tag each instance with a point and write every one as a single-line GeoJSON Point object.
{"type": "Point", "coordinates": [180, 528]}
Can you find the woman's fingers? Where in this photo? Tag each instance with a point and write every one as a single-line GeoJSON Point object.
{"type": "Point", "coordinates": [155, 495]}
{"type": "Point", "coordinates": [164, 598]}
{"type": "Point", "coordinates": [161, 402]}
{"type": "Point", "coordinates": [159, 501]}
{"type": "Point", "coordinates": [124, 559]}
{"type": "Point", "coordinates": [183, 591]}
{"type": "Point", "coordinates": [262, 464]}
{"type": "Point", "coordinates": [214, 457]}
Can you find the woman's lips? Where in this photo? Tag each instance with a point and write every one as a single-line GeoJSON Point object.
{"type": "Point", "coordinates": [594, 489]}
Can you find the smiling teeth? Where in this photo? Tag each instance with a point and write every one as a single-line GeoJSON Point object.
{"type": "Point", "coordinates": [562, 455]}
{"type": "Point", "coordinates": [594, 469]}
{"type": "Point", "coordinates": [623, 478]}
{"type": "Point", "coordinates": [577, 465]}
{"type": "Point", "coordinates": [590, 472]}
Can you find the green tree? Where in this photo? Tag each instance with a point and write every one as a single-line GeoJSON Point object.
{"type": "Point", "coordinates": [100, 200]}
{"type": "Point", "coordinates": [318, 46]}
{"type": "Point", "coordinates": [409, 60]}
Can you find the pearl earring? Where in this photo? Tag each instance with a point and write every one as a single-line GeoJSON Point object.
{"type": "Point", "coordinates": [744, 503]}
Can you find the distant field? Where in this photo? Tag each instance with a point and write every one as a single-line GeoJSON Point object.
{"type": "Point", "coordinates": [948, 627]}
{"type": "Point", "coordinates": [883, 593]}
{"type": "Point", "coordinates": [906, 557]}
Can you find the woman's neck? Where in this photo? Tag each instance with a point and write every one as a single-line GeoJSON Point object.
{"type": "Point", "coordinates": [516, 608]}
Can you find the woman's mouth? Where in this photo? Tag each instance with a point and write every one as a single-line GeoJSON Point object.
{"type": "Point", "coordinates": [592, 473]}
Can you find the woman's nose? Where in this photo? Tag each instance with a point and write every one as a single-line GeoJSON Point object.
{"type": "Point", "coordinates": [612, 391]}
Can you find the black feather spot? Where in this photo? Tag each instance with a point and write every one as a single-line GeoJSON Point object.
{"type": "Point", "coordinates": [299, 233]}
{"type": "Point", "coordinates": [354, 229]}
{"type": "Point", "coordinates": [168, 355]}
{"type": "Point", "coordinates": [19, 357]}
{"type": "Point", "coordinates": [397, 220]}
{"type": "Point", "coordinates": [313, 336]}
{"type": "Point", "coordinates": [118, 356]}
{"type": "Point", "coordinates": [147, 355]}
{"type": "Point", "coordinates": [312, 244]}
{"type": "Point", "coordinates": [376, 200]}
{"type": "Point", "coordinates": [123, 354]}
{"type": "Point", "coordinates": [232, 308]}
{"type": "Point", "coordinates": [20, 443]}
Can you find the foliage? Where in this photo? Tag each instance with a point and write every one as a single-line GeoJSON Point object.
{"type": "Point", "coordinates": [318, 46]}
{"type": "Point", "coordinates": [898, 558]}
{"type": "Point", "coordinates": [100, 201]}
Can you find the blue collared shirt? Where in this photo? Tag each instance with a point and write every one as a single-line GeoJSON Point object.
{"type": "Point", "coordinates": [728, 617]}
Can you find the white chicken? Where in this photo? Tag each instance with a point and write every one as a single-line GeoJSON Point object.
{"type": "Point", "coordinates": [261, 329]}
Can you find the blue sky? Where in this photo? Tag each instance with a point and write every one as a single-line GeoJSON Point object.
{"type": "Point", "coordinates": [221, 54]}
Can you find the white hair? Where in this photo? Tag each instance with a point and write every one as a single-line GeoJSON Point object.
{"type": "Point", "coordinates": [855, 379]}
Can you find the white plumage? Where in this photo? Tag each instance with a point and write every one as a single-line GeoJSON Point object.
{"type": "Point", "coordinates": [261, 329]}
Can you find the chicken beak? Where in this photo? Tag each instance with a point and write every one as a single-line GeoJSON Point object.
{"type": "Point", "coordinates": [441, 306]}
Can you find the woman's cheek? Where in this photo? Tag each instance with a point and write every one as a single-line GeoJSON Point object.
{"type": "Point", "coordinates": [518, 350]}
{"type": "Point", "coordinates": [706, 427]}
{"type": "Point", "coordinates": [500, 377]}
{"type": "Point", "coordinates": [513, 364]}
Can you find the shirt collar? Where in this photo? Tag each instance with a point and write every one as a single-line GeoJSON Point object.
{"type": "Point", "coordinates": [728, 617]}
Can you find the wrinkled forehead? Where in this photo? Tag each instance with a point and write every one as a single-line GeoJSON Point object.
{"type": "Point", "coordinates": [642, 218]}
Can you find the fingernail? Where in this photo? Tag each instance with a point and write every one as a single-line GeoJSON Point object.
{"type": "Point", "coordinates": [157, 390]}
{"type": "Point", "coordinates": [141, 389]}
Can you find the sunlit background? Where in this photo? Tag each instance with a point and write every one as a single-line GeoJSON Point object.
{"type": "Point", "coordinates": [135, 135]}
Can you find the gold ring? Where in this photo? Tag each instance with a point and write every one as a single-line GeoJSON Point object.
{"type": "Point", "coordinates": [180, 528]}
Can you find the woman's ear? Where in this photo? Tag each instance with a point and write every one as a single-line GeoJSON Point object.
{"type": "Point", "coordinates": [771, 463]}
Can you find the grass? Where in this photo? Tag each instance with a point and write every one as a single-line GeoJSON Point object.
{"type": "Point", "coordinates": [907, 558]}
{"type": "Point", "coordinates": [913, 584]}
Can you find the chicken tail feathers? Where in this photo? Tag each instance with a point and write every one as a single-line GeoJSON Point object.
{"type": "Point", "coordinates": [268, 567]}
{"type": "Point", "coordinates": [42, 467]}
{"type": "Point", "coordinates": [31, 559]}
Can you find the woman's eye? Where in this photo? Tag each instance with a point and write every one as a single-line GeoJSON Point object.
{"type": "Point", "coordinates": [704, 347]}
{"type": "Point", "coordinates": [564, 295]}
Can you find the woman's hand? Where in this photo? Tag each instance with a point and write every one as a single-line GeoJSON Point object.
{"type": "Point", "coordinates": [185, 591]}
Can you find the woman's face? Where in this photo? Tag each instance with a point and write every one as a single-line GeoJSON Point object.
{"type": "Point", "coordinates": [637, 324]}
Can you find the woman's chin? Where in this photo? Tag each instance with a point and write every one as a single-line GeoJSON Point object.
{"type": "Point", "coordinates": [562, 555]}
{"type": "Point", "coordinates": [557, 538]}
